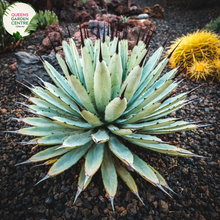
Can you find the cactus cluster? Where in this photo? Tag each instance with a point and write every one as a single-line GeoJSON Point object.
{"type": "Point", "coordinates": [7, 42]}
{"type": "Point", "coordinates": [199, 50]}
{"type": "Point", "coordinates": [214, 26]}
{"type": "Point", "coordinates": [103, 101]}
{"type": "Point", "coordinates": [46, 18]}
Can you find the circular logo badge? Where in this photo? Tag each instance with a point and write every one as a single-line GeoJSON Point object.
{"type": "Point", "coordinates": [20, 19]}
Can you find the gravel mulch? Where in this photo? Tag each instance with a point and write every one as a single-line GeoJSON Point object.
{"type": "Point", "coordinates": [195, 180]}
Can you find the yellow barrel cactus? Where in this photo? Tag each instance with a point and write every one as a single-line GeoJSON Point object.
{"type": "Point", "coordinates": [198, 50]}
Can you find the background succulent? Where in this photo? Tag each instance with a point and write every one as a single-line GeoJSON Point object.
{"type": "Point", "coordinates": [105, 100]}
{"type": "Point", "coordinates": [7, 41]}
{"type": "Point", "coordinates": [214, 26]}
{"type": "Point", "coordinates": [124, 18]}
{"type": "Point", "coordinates": [201, 46]}
{"type": "Point", "coordinates": [46, 18]}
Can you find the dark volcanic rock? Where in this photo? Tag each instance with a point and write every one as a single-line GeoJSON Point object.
{"type": "Point", "coordinates": [29, 65]}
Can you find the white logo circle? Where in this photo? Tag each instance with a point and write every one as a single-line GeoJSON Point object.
{"type": "Point", "coordinates": [17, 17]}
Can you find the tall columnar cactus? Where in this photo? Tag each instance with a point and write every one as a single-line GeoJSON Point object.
{"type": "Point", "coordinates": [7, 41]}
{"type": "Point", "coordinates": [46, 18]}
{"type": "Point", "coordinates": [103, 101]}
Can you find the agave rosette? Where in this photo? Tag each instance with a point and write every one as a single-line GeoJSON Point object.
{"type": "Point", "coordinates": [103, 98]}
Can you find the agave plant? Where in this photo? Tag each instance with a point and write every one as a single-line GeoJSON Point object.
{"type": "Point", "coordinates": [103, 100]}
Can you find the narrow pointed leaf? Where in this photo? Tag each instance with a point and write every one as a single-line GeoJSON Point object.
{"type": "Point", "coordinates": [164, 149]}
{"type": "Point", "coordinates": [60, 81]}
{"type": "Point", "coordinates": [122, 152]}
{"type": "Point", "coordinates": [109, 175]}
{"type": "Point", "coordinates": [149, 81]}
{"type": "Point", "coordinates": [82, 94]}
{"type": "Point", "coordinates": [44, 104]}
{"type": "Point", "coordinates": [144, 170]}
{"type": "Point", "coordinates": [175, 125]}
{"type": "Point", "coordinates": [91, 118]}
{"type": "Point", "coordinates": [141, 114]}
{"type": "Point", "coordinates": [123, 50]}
{"type": "Point", "coordinates": [39, 122]}
{"type": "Point", "coordinates": [82, 177]}
{"type": "Point", "coordinates": [171, 130]}
{"type": "Point", "coordinates": [81, 182]}
{"type": "Point", "coordinates": [119, 131]}
{"type": "Point", "coordinates": [69, 58]}
{"type": "Point", "coordinates": [105, 53]}
{"type": "Point", "coordinates": [131, 60]}
{"type": "Point", "coordinates": [43, 131]}
{"type": "Point", "coordinates": [88, 70]}
{"type": "Point", "coordinates": [115, 70]}
{"type": "Point", "coordinates": [151, 124]}
{"type": "Point", "coordinates": [162, 180]}
{"type": "Point", "coordinates": [68, 160]}
{"type": "Point", "coordinates": [102, 86]}
{"type": "Point", "coordinates": [90, 47]}
{"type": "Point", "coordinates": [78, 64]}
{"type": "Point", "coordinates": [148, 98]}
{"type": "Point", "coordinates": [131, 82]}
{"type": "Point", "coordinates": [77, 140]}
{"type": "Point", "coordinates": [63, 66]}
{"type": "Point", "coordinates": [48, 154]}
{"type": "Point", "coordinates": [60, 97]}
{"type": "Point", "coordinates": [75, 124]}
{"type": "Point", "coordinates": [41, 93]}
{"type": "Point", "coordinates": [94, 159]}
{"type": "Point", "coordinates": [56, 138]}
{"type": "Point", "coordinates": [151, 63]}
{"type": "Point", "coordinates": [143, 138]}
{"type": "Point", "coordinates": [50, 112]}
{"type": "Point", "coordinates": [112, 46]}
{"type": "Point", "coordinates": [165, 111]}
{"type": "Point", "coordinates": [127, 178]}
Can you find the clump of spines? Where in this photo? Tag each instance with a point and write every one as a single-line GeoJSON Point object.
{"type": "Point", "coordinates": [200, 70]}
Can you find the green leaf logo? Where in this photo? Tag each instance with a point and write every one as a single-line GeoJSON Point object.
{"type": "Point", "coordinates": [17, 35]}
{"type": "Point", "coordinates": [32, 26]}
